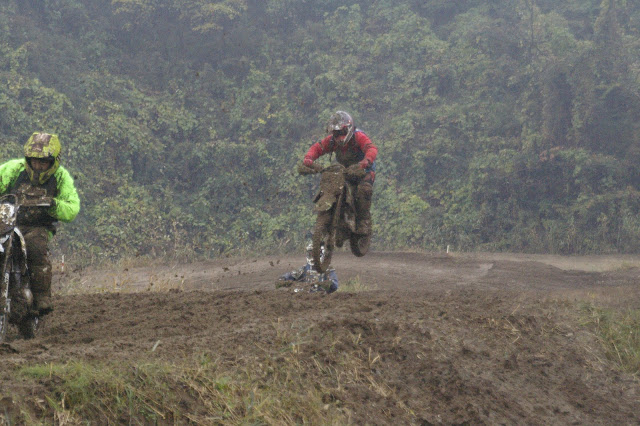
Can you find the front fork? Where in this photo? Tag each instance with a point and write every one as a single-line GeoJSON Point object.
{"type": "Point", "coordinates": [17, 281]}
{"type": "Point", "coordinates": [7, 266]}
{"type": "Point", "coordinates": [7, 299]}
{"type": "Point", "coordinates": [6, 309]}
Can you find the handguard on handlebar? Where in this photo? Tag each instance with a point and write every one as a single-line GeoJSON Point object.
{"type": "Point", "coordinates": [309, 170]}
{"type": "Point", "coordinates": [355, 172]}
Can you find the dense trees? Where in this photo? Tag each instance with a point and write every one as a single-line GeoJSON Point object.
{"type": "Point", "coordinates": [502, 124]}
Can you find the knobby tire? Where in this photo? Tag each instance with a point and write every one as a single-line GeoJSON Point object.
{"type": "Point", "coordinates": [323, 233]}
{"type": "Point", "coordinates": [359, 244]}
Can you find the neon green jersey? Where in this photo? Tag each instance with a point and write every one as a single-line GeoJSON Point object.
{"type": "Point", "coordinates": [66, 197]}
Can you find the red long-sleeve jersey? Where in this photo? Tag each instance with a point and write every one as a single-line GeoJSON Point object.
{"type": "Point", "coordinates": [356, 150]}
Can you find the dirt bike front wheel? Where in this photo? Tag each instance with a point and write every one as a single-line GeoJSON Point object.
{"type": "Point", "coordinates": [359, 244]}
{"type": "Point", "coordinates": [323, 235]}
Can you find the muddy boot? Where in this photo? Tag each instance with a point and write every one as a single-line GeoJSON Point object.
{"type": "Point", "coordinates": [42, 304]}
{"type": "Point", "coordinates": [364, 226]}
{"type": "Point", "coordinates": [363, 207]}
{"type": "Point", "coordinates": [39, 269]}
{"type": "Point", "coordinates": [363, 221]}
{"type": "Point", "coordinates": [41, 289]}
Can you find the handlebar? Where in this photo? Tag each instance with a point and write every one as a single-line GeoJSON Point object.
{"type": "Point", "coordinates": [39, 202]}
{"type": "Point", "coordinates": [309, 170]}
{"type": "Point", "coordinates": [353, 172]}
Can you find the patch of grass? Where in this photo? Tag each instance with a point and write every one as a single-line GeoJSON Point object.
{"type": "Point", "coordinates": [625, 265]}
{"type": "Point", "coordinates": [107, 391]}
{"type": "Point", "coordinates": [269, 389]}
{"type": "Point", "coordinates": [201, 391]}
{"type": "Point", "coordinates": [305, 375]}
{"type": "Point", "coordinates": [619, 332]}
{"type": "Point", "coordinates": [354, 285]}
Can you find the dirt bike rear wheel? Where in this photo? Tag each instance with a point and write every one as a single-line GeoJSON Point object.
{"type": "Point", "coordinates": [323, 235]}
{"type": "Point", "coordinates": [359, 244]}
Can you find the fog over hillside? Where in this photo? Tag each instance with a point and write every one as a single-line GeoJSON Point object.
{"type": "Point", "coordinates": [502, 125]}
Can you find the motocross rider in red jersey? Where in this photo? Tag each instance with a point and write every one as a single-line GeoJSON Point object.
{"type": "Point", "coordinates": [352, 146]}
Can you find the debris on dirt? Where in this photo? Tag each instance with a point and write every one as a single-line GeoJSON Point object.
{"type": "Point", "coordinates": [427, 338]}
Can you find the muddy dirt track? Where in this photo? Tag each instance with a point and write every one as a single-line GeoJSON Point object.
{"type": "Point", "coordinates": [445, 338]}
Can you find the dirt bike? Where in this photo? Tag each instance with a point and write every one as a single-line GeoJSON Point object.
{"type": "Point", "coordinates": [16, 299]}
{"type": "Point", "coordinates": [336, 212]}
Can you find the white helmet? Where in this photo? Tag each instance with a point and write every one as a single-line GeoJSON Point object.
{"type": "Point", "coordinates": [341, 124]}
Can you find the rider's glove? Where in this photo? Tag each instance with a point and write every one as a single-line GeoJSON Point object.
{"type": "Point", "coordinates": [365, 163]}
{"type": "Point", "coordinates": [307, 161]}
{"type": "Point", "coordinates": [52, 207]}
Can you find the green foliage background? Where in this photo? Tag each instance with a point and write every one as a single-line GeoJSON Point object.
{"type": "Point", "coordinates": [501, 124]}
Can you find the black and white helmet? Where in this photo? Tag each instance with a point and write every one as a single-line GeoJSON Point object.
{"type": "Point", "coordinates": [341, 124]}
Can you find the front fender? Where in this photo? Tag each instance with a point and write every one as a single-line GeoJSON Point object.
{"type": "Point", "coordinates": [324, 201]}
{"type": "Point", "coordinates": [331, 187]}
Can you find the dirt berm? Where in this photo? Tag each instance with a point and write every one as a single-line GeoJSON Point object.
{"type": "Point", "coordinates": [432, 338]}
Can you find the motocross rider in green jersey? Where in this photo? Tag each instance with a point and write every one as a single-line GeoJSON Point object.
{"type": "Point", "coordinates": [38, 178]}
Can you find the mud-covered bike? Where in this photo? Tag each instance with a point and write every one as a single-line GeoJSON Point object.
{"type": "Point", "coordinates": [16, 299]}
{"type": "Point", "coordinates": [336, 212]}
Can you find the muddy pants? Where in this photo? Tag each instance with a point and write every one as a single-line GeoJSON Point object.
{"type": "Point", "coordinates": [39, 264]}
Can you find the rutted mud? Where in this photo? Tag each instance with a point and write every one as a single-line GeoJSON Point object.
{"type": "Point", "coordinates": [459, 338]}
